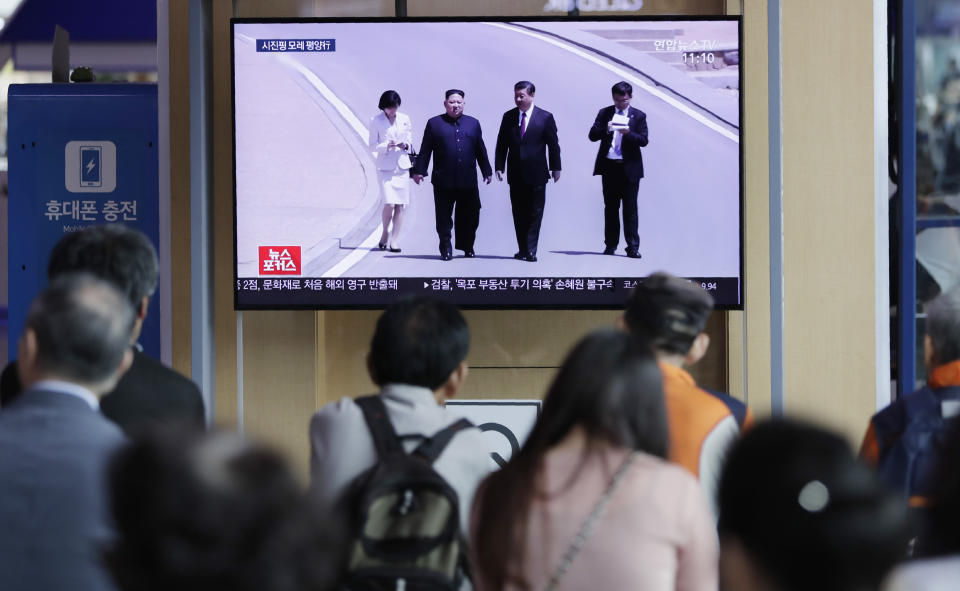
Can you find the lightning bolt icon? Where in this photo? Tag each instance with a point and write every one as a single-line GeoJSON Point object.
{"type": "Point", "coordinates": [90, 166]}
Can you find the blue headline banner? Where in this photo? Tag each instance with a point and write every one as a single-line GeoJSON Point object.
{"type": "Point", "coordinates": [283, 45]}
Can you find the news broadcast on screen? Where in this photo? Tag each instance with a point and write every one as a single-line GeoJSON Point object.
{"type": "Point", "coordinates": [523, 163]}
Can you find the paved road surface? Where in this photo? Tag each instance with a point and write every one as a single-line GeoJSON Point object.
{"type": "Point", "coordinates": [689, 200]}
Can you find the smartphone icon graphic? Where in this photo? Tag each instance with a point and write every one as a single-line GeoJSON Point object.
{"type": "Point", "coordinates": [90, 160]}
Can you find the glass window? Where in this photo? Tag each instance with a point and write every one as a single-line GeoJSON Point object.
{"type": "Point", "coordinates": [938, 155]}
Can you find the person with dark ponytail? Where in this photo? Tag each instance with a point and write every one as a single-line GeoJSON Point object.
{"type": "Point", "coordinates": [799, 512]}
{"type": "Point", "coordinates": [589, 502]}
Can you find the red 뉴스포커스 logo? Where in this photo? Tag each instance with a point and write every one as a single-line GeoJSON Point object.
{"type": "Point", "coordinates": [279, 260]}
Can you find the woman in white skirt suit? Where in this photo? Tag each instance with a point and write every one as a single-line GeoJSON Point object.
{"type": "Point", "coordinates": [391, 139]}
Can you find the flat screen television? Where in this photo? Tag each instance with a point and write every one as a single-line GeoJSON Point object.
{"type": "Point", "coordinates": [316, 160]}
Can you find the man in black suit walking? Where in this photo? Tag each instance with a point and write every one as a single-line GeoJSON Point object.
{"type": "Point", "coordinates": [456, 142]}
{"type": "Point", "coordinates": [528, 135]}
{"type": "Point", "coordinates": [621, 131]}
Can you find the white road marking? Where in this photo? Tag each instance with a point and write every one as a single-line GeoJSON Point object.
{"type": "Point", "coordinates": [356, 256]}
{"type": "Point", "coordinates": [368, 243]}
{"type": "Point", "coordinates": [625, 75]}
{"type": "Point", "coordinates": [361, 130]}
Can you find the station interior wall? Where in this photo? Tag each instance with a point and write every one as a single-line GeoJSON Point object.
{"type": "Point", "coordinates": [293, 362]}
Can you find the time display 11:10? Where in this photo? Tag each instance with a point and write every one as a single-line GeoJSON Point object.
{"type": "Point", "coordinates": [698, 57]}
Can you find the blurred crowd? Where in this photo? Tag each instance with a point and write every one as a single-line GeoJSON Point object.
{"type": "Point", "coordinates": [633, 477]}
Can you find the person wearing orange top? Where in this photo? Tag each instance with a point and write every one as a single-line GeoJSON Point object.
{"type": "Point", "coordinates": [903, 440]}
{"type": "Point", "coordinates": [670, 314]}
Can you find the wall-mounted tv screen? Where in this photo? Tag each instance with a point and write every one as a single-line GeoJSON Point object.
{"type": "Point", "coordinates": [521, 163]}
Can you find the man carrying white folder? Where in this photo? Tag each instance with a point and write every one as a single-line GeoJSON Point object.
{"type": "Point", "coordinates": [621, 131]}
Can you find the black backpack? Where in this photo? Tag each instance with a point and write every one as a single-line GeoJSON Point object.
{"type": "Point", "coordinates": [405, 516]}
{"type": "Point", "coordinates": [913, 462]}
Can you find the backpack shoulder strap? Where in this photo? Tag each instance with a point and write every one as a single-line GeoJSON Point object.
{"type": "Point", "coordinates": [385, 438]}
{"type": "Point", "coordinates": [431, 449]}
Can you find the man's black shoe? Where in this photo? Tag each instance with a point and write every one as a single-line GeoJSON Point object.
{"type": "Point", "coordinates": [632, 253]}
{"type": "Point", "coordinates": [530, 258]}
{"type": "Point", "coordinates": [446, 256]}
{"type": "Point", "coordinates": [469, 253]}
{"type": "Point", "coordinates": [519, 256]}
{"type": "Point", "coordinates": [610, 250]}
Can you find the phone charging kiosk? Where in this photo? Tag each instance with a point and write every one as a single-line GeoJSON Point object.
{"type": "Point", "coordinates": [78, 155]}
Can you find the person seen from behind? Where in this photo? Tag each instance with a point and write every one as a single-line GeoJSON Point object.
{"type": "Point", "coordinates": [402, 451]}
{"type": "Point", "coordinates": [799, 512]}
{"type": "Point", "coordinates": [54, 441]}
{"type": "Point", "coordinates": [904, 440]}
{"type": "Point", "coordinates": [200, 511]}
{"type": "Point", "coordinates": [589, 502]}
{"type": "Point", "coordinates": [670, 313]}
{"type": "Point", "coordinates": [149, 393]}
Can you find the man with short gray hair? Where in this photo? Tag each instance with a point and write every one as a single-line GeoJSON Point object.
{"type": "Point", "coordinates": [903, 440]}
{"type": "Point", "coordinates": [56, 443]}
{"type": "Point", "coordinates": [942, 343]}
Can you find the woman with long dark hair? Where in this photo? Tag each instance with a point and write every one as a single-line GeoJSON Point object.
{"type": "Point", "coordinates": [589, 501]}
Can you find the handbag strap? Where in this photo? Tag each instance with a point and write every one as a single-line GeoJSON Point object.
{"type": "Point", "coordinates": [589, 523]}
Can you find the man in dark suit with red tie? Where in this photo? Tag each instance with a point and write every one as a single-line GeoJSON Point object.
{"type": "Point", "coordinates": [621, 131]}
{"type": "Point", "coordinates": [527, 137]}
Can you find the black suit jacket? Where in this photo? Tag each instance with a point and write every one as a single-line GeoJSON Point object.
{"type": "Point", "coordinates": [526, 159]}
{"type": "Point", "coordinates": [633, 140]}
{"type": "Point", "coordinates": [149, 393]}
{"type": "Point", "coordinates": [457, 148]}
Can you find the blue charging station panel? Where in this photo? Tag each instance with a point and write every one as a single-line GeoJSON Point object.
{"type": "Point", "coordinates": [78, 155]}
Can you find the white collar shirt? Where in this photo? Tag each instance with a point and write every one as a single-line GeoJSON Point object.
{"type": "Point", "coordinates": [341, 447]}
{"type": "Point", "coordinates": [529, 113]}
{"type": "Point", "coordinates": [615, 153]}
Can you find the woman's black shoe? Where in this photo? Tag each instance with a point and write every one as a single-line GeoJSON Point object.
{"type": "Point", "coordinates": [382, 246]}
{"type": "Point", "coordinates": [393, 249]}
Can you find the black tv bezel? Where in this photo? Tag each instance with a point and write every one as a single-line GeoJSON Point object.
{"type": "Point", "coordinates": [238, 306]}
